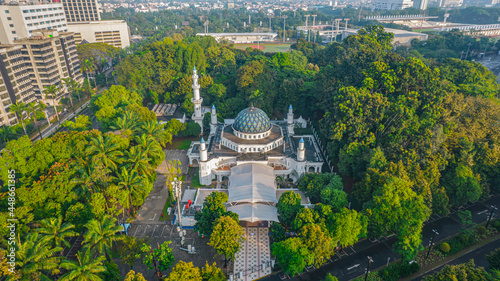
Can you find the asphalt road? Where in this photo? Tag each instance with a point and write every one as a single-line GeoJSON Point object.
{"type": "Point", "coordinates": [478, 255]}
{"type": "Point", "coordinates": [353, 262]}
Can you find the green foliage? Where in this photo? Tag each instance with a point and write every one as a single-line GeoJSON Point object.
{"type": "Point", "coordinates": [314, 184]}
{"type": "Point", "coordinates": [191, 130]}
{"type": "Point", "coordinates": [227, 236]}
{"type": "Point", "coordinates": [318, 243]}
{"type": "Point", "coordinates": [129, 249]}
{"type": "Point", "coordinates": [78, 215]}
{"type": "Point", "coordinates": [278, 232]}
{"type": "Point", "coordinates": [445, 247]}
{"type": "Point", "coordinates": [460, 272]}
{"type": "Point", "coordinates": [288, 207]}
{"type": "Point", "coordinates": [183, 271]}
{"type": "Point", "coordinates": [112, 273]}
{"type": "Point", "coordinates": [82, 123]}
{"type": "Point", "coordinates": [212, 273]}
{"type": "Point", "coordinates": [330, 277]}
{"type": "Point", "coordinates": [213, 209]}
{"type": "Point", "coordinates": [101, 234]}
{"type": "Point", "coordinates": [160, 258]}
{"type": "Point", "coordinates": [132, 276]}
{"type": "Point", "coordinates": [494, 259]}
{"type": "Point", "coordinates": [396, 271]}
{"type": "Point", "coordinates": [292, 255]}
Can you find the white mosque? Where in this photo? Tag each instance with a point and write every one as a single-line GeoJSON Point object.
{"type": "Point", "coordinates": [243, 157]}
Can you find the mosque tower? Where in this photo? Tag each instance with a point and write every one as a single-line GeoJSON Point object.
{"type": "Point", "coordinates": [289, 121]}
{"type": "Point", "coordinates": [197, 100]}
{"type": "Point", "coordinates": [213, 121]}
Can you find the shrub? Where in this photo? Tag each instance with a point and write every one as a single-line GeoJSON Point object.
{"type": "Point", "coordinates": [494, 259]}
{"type": "Point", "coordinates": [496, 224]}
{"type": "Point", "coordinates": [445, 247]}
{"type": "Point", "coordinates": [463, 238]}
{"type": "Point", "coordinates": [481, 230]}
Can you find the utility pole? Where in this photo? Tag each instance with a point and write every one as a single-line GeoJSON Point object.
{"type": "Point", "coordinates": [177, 186]}
{"type": "Point", "coordinates": [331, 38]}
{"type": "Point", "coordinates": [434, 233]}
{"type": "Point", "coordinates": [270, 28]}
{"type": "Point", "coordinates": [284, 27]}
{"type": "Point", "coordinates": [307, 18]}
{"type": "Point", "coordinates": [468, 48]}
{"type": "Point", "coordinates": [314, 25]}
{"type": "Point", "coordinates": [258, 36]}
{"type": "Point", "coordinates": [368, 268]}
{"type": "Point", "coordinates": [493, 208]}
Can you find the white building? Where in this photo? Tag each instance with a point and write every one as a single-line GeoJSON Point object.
{"type": "Point", "coordinates": [113, 32]}
{"type": "Point", "coordinates": [18, 20]}
{"type": "Point", "coordinates": [81, 10]}
{"type": "Point", "coordinates": [392, 4]}
{"type": "Point", "coordinates": [251, 138]}
{"type": "Point", "coordinates": [248, 37]}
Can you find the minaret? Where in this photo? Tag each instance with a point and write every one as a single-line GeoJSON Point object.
{"type": "Point", "coordinates": [289, 120]}
{"type": "Point", "coordinates": [301, 151]}
{"type": "Point", "coordinates": [213, 121]}
{"type": "Point", "coordinates": [203, 151]}
{"type": "Point", "coordinates": [197, 100]}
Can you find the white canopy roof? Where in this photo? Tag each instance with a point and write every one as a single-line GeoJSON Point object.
{"type": "Point", "coordinates": [252, 183]}
{"type": "Point", "coordinates": [255, 212]}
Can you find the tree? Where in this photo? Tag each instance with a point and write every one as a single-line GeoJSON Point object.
{"type": "Point", "coordinates": [32, 108]}
{"type": "Point", "coordinates": [88, 66]}
{"type": "Point", "coordinates": [318, 243]}
{"type": "Point", "coordinates": [51, 91]}
{"type": "Point", "coordinates": [227, 237]}
{"type": "Point", "coordinates": [349, 226]}
{"type": "Point", "coordinates": [101, 234]}
{"type": "Point", "coordinates": [134, 185]}
{"type": "Point", "coordinates": [34, 257]}
{"type": "Point", "coordinates": [104, 150]}
{"type": "Point", "coordinates": [288, 207]}
{"type": "Point", "coordinates": [62, 88]}
{"type": "Point", "coordinates": [73, 86]}
{"type": "Point", "coordinates": [212, 273]}
{"type": "Point", "coordinates": [19, 109]}
{"type": "Point", "coordinates": [132, 276]}
{"type": "Point", "coordinates": [85, 267]}
{"type": "Point", "coordinates": [81, 123]}
{"type": "Point", "coordinates": [8, 133]}
{"type": "Point", "coordinates": [157, 131]}
{"type": "Point", "coordinates": [183, 271]}
{"type": "Point", "coordinates": [213, 209]}
{"type": "Point", "coordinates": [292, 255]}
{"type": "Point", "coordinates": [161, 258]}
{"type": "Point", "coordinates": [330, 277]}
{"type": "Point", "coordinates": [129, 249]}
{"type": "Point", "coordinates": [494, 259]}
{"type": "Point", "coordinates": [55, 232]}
{"type": "Point", "coordinates": [397, 208]}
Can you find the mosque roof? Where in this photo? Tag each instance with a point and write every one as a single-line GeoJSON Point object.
{"type": "Point", "coordinates": [252, 120]}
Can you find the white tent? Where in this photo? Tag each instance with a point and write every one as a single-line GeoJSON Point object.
{"type": "Point", "coordinates": [252, 183]}
{"type": "Point", "coordinates": [255, 212]}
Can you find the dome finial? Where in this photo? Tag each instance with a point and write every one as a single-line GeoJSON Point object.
{"type": "Point", "coordinates": [202, 140]}
{"type": "Point", "coordinates": [301, 140]}
{"type": "Point", "coordinates": [213, 106]}
{"type": "Point", "coordinates": [194, 68]}
{"type": "Point", "coordinates": [290, 107]}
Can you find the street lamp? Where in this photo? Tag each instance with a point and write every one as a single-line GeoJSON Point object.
{"type": "Point", "coordinates": [177, 188]}
{"type": "Point", "coordinates": [434, 233]}
{"type": "Point", "coordinates": [284, 27]}
{"type": "Point", "coordinates": [493, 208]}
{"type": "Point", "coordinates": [370, 260]}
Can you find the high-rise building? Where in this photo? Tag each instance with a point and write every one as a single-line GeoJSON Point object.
{"type": "Point", "coordinates": [18, 20]}
{"type": "Point", "coordinates": [392, 4]}
{"type": "Point", "coordinates": [113, 32]}
{"type": "Point", "coordinates": [420, 4]}
{"type": "Point", "coordinates": [81, 10]}
{"type": "Point", "coordinates": [15, 82]}
{"type": "Point", "coordinates": [51, 56]}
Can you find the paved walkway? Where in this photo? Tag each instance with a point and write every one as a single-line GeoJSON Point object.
{"type": "Point", "coordinates": [254, 257]}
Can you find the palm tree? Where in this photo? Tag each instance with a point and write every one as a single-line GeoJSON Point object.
{"type": "Point", "coordinates": [157, 131]}
{"type": "Point", "coordinates": [127, 122]}
{"type": "Point", "coordinates": [86, 267]}
{"type": "Point", "coordinates": [34, 256]}
{"type": "Point", "coordinates": [72, 85]}
{"type": "Point", "coordinates": [88, 66]}
{"type": "Point", "coordinates": [32, 109]}
{"type": "Point", "coordinates": [51, 91]}
{"type": "Point", "coordinates": [137, 160]}
{"type": "Point", "coordinates": [8, 133]}
{"type": "Point", "coordinates": [55, 232]}
{"type": "Point", "coordinates": [64, 87]}
{"type": "Point", "coordinates": [101, 234]}
{"type": "Point", "coordinates": [84, 178]}
{"type": "Point", "coordinates": [135, 185]}
{"type": "Point", "coordinates": [19, 109]}
{"type": "Point", "coordinates": [104, 150]}
{"type": "Point", "coordinates": [151, 148]}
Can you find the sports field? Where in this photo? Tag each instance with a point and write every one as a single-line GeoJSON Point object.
{"type": "Point", "coordinates": [265, 47]}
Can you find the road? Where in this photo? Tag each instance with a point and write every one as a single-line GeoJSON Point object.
{"type": "Point", "coordinates": [352, 263]}
{"type": "Point", "coordinates": [478, 255]}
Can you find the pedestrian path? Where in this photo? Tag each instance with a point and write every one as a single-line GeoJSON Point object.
{"type": "Point", "coordinates": [253, 261]}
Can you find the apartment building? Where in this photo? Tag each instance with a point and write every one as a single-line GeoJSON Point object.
{"type": "Point", "coordinates": [15, 82]}
{"type": "Point", "coordinates": [81, 10]}
{"type": "Point", "coordinates": [19, 19]}
{"type": "Point", "coordinates": [392, 4]}
{"type": "Point", "coordinates": [50, 56]}
{"type": "Point", "coordinates": [113, 32]}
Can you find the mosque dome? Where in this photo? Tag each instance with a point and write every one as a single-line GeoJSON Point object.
{"type": "Point", "coordinates": [252, 120]}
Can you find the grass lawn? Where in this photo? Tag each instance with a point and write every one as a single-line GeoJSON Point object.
{"type": "Point", "coordinates": [196, 177]}
{"type": "Point", "coordinates": [266, 47]}
{"type": "Point", "coordinates": [181, 143]}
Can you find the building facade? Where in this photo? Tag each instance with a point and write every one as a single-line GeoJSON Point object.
{"type": "Point", "coordinates": [81, 10]}
{"type": "Point", "coordinates": [113, 32]}
{"type": "Point", "coordinates": [18, 21]}
{"type": "Point", "coordinates": [15, 84]}
{"type": "Point", "coordinates": [50, 56]}
{"type": "Point", "coordinates": [392, 4]}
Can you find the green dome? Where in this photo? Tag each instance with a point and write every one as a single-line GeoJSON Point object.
{"type": "Point", "coordinates": [252, 120]}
